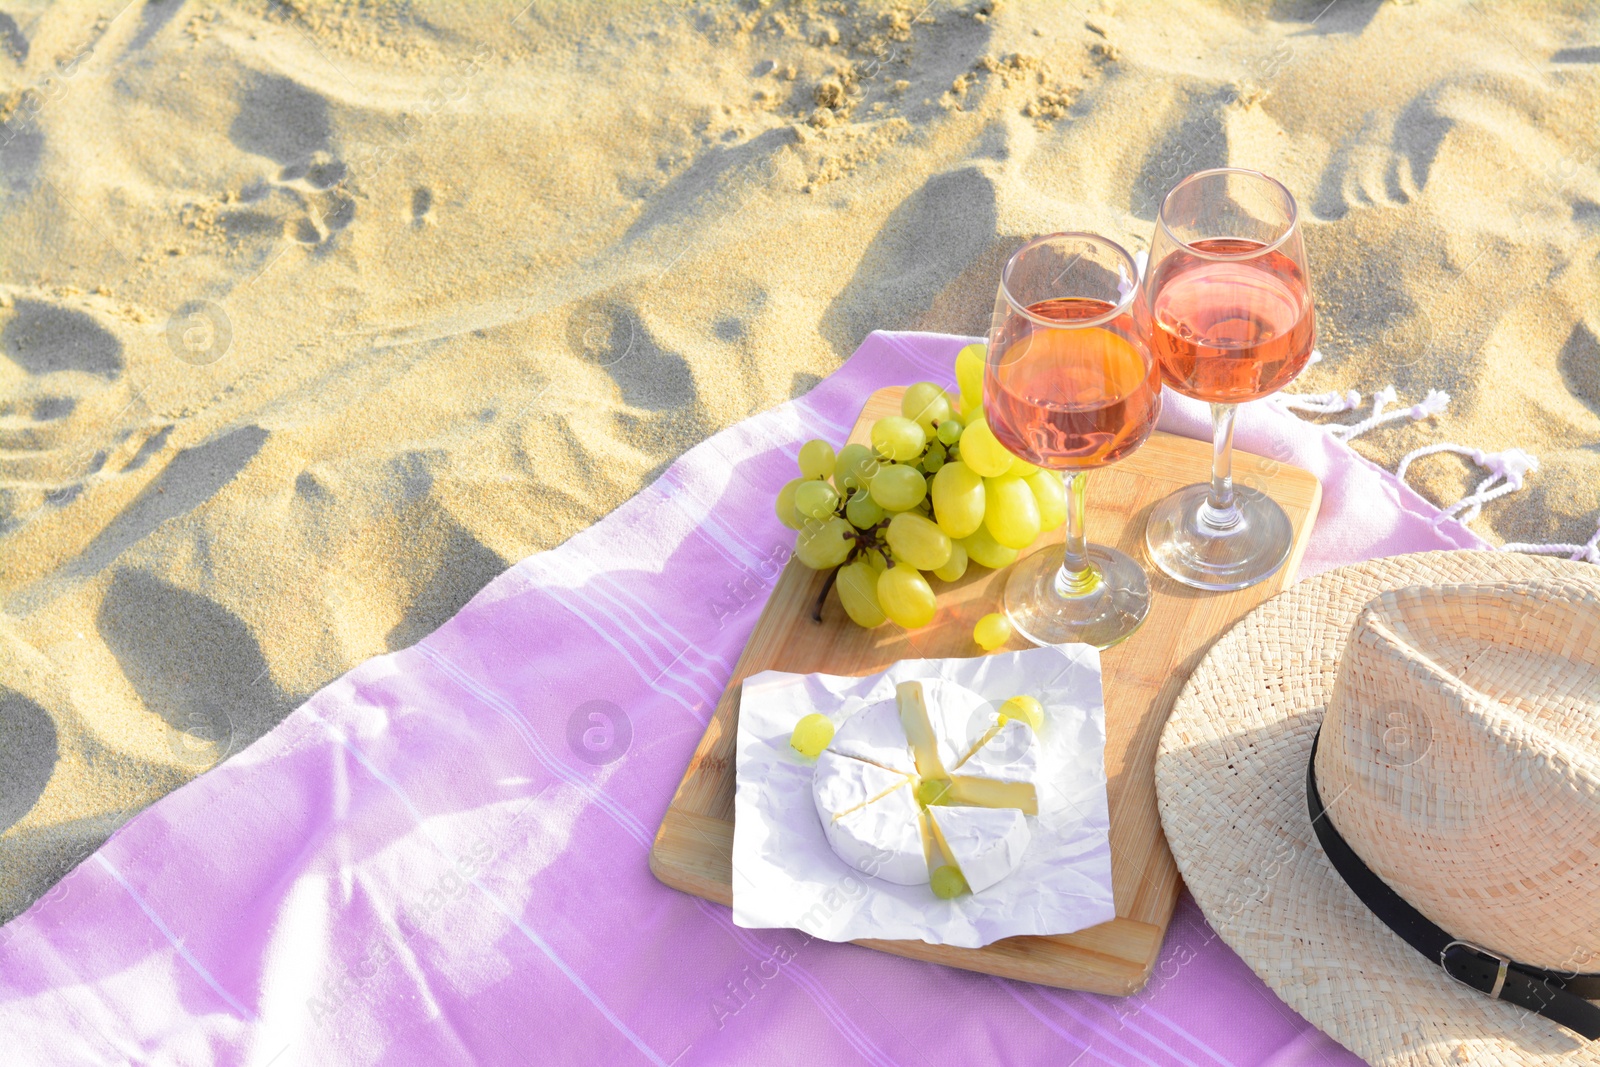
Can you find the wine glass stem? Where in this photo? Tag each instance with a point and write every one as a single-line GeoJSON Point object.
{"type": "Point", "coordinates": [1078, 576]}
{"type": "Point", "coordinates": [1221, 512]}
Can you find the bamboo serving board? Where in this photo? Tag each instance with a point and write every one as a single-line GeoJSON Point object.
{"type": "Point", "coordinates": [694, 846]}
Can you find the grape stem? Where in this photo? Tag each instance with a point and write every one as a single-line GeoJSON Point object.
{"type": "Point", "coordinates": [866, 541]}
{"type": "Point", "coordinates": [816, 612]}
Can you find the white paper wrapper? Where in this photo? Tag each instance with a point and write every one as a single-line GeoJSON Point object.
{"type": "Point", "coordinates": [785, 875]}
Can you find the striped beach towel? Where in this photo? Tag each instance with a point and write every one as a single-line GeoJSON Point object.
{"type": "Point", "coordinates": [441, 858]}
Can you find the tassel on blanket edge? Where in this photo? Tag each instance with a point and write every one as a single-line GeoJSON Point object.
{"type": "Point", "coordinates": [1589, 552]}
{"type": "Point", "coordinates": [1508, 472]}
{"type": "Point", "coordinates": [1436, 401]}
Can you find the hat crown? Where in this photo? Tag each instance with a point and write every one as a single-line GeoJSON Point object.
{"type": "Point", "coordinates": [1460, 758]}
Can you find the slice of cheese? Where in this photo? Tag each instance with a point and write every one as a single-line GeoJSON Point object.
{"type": "Point", "coordinates": [912, 701]}
{"type": "Point", "coordinates": [985, 844]}
{"type": "Point", "coordinates": [989, 793]}
{"type": "Point", "coordinates": [1001, 773]}
{"type": "Point", "coordinates": [1011, 751]}
{"type": "Point", "coordinates": [841, 784]}
{"type": "Point", "coordinates": [874, 734]}
{"type": "Point", "coordinates": [883, 839]}
{"type": "Point", "coordinates": [942, 724]}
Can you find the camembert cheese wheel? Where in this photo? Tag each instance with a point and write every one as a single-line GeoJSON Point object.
{"type": "Point", "coordinates": [929, 779]}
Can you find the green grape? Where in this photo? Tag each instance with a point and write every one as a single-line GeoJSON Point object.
{"type": "Point", "coordinates": [816, 500]}
{"type": "Point", "coordinates": [1021, 468]}
{"type": "Point", "coordinates": [969, 376]}
{"type": "Point", "coordinates": [822, 545]}
{"type": "Point", "coordinates": [857, 583]}
{"type": "Point", "coordinates": [906, 597]}
{"type": "Point", "coordinates": [1051, 497]}
{"type": "Point", "coordinates": [853, 469]}
{"type": "Point", "coordinates": [898, 487]}
{"type": "Point", "coordinates": [925, 404]}
{"type": "Point", "coordinates": [949, 431]}
{"type": "Point", "coordinates": [992, 631]}
{"type": "Point", "coordinates": [863, 512]}
{"type": "Point", "coordinates": [1026, 708]}
{"type": "Point", "coordinates": [1012, 515]}
{"type": "Point", "coordinates": [918, 542]}
{"type": "Point", "coordinates": [877, 560]}
{"type": "Point", "coordinates": [958, 499]}
{"type": "Point", "coordinates": [816, 459]}
{"type": "Point", "coordinates": [898, 438]}
{"type": "Point", "coordinates": [931, 791]}
{"type": "Point", "coordinates": [986, 551]}
{"type": "Point", "coordinates": [982, 452]}
{"type": "Point", "coordinates": [784, 505]}
{"type": "Point", "coordinates": [933, 458]}
{"type": "Point", "coordinates": [948, 883]}
{"type": "Point", "coordinates": [955, 566]}
{"type": "Point", "coordinates": [811, 735]}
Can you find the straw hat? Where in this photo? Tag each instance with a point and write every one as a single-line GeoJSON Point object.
{"type": "Point", "coordinates": [1457, 695]}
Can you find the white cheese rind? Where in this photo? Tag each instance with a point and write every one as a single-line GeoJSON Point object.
{"type": "Point", "coordinates": [874, 734]}
{"type": "Point", "coordinates": [986, 844]}
{"type": "Point", "coordinates": [942, 723]}
{"type": "Point", "coordinates": [883, 839]}
{"type": "Point", "coordinates": [1010, 755]}
{"type": "Point", "coordinates": [842, 784]}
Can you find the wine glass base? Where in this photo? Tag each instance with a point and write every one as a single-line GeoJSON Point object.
{"type": "Point", "coordinates": [1109, 612]}
{"type": "Point", "coordinates": [1198, 554]}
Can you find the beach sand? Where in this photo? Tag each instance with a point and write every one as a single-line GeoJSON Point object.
{"type": "Point", "coordinates": [315, 317]}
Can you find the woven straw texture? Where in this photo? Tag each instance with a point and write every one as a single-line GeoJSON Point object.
{"type": "Point", "coordinates": [1460, 758]}
{"type": "Point", "coordinates": [1230, 779]}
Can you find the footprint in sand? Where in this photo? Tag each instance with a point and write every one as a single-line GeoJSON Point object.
{"type": "Point", "coordinates": [1386, 163]}
{"type": "Point", "coordinates": [43, 338]}
{"type": "Point", "coordinates": [287, 123]}
{"type": "Point", "coordinates": [30, 425]}
{"type": "Point", "coordinates": [317, 188]}
{"type": "Point", "coordinates": [52, 359]}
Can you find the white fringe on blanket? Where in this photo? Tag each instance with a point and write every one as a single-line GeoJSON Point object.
{"type": "Point", "coordinates": [1589, 552]}
{"type": "Point", "coordinates": [1508, 470]}
{"type": "Point", "coordinates": [1431, 405]}
{"type": "Point", "coordinates": [1317, 403]}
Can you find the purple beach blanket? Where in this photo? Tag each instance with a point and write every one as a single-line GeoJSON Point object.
{"type": "Point", "coordinates": [441, 858]}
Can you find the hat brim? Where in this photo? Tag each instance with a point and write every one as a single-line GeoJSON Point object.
{"type": "Point", "coordinates": [1230, 781]}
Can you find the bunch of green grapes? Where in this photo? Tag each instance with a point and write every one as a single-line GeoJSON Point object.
{"type": "Point", "coordinates": [934, 493]}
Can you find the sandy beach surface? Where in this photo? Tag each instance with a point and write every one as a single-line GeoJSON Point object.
{"type": "Point", "coordinates": [314, 317]}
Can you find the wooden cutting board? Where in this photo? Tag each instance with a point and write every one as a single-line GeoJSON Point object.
{"type": "Point", "coordinates": [694, 846]}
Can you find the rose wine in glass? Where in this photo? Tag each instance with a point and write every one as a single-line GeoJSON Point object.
{"type": "Point", "coordinates": [1076, 399]}
{"type": "Point", "coordinates": [1070, 385]}
{"type": "Point", "coordinates": [1230, 319]}
{"type": "Point", "coordinates": [1230, 331]}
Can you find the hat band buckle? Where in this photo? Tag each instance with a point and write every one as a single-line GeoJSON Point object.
{"type": "Point", "coordinates": [1561, 998]}
{"type": "Point", "coordinates": [1500, 975]}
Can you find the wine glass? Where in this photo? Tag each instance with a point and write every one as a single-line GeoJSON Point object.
{"type": "Point", "coordinates": [1069, 385]}
{"type": "Point", "coordinates": [1231, 320]}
